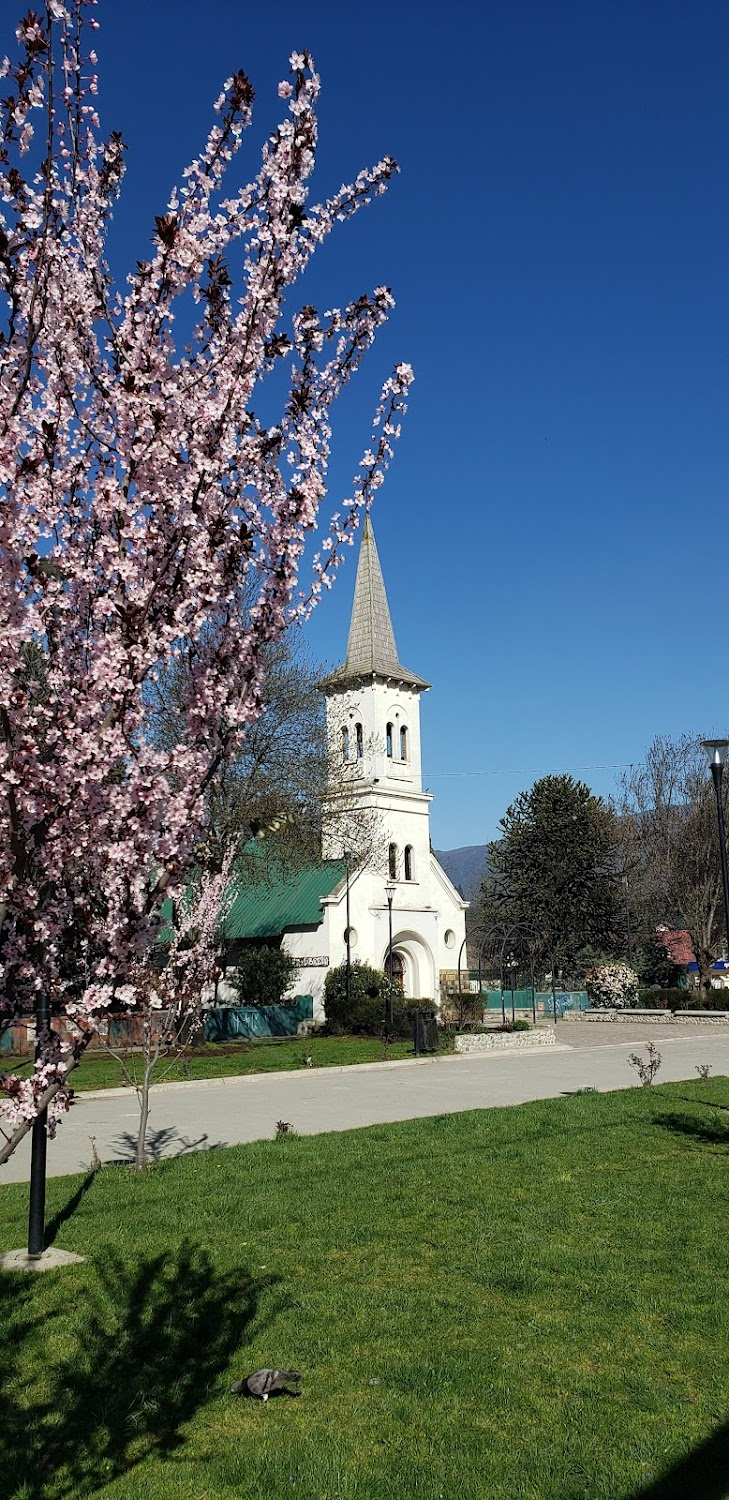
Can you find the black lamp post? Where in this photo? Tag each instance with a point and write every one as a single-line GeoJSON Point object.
{"type": "Point", "coordinates": [460, 990]}
{"type": "Point", "coordinates": [389, 892]}
{"type": "Point", "coordinates": [628, 933]}
{"type": "Point", "coordinates": [348, 939]}
{"type": "Point", "coordinates": [39, 1145]}
{"type": "Point", "coordinates": [511, 966]}
{"type": "Point", "coordinates": [716, 750]}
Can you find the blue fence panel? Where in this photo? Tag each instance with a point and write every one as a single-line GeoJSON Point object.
{"type": "Point", "coordinates": [248, 1021]}
{"type": "Point", "coordinates": [522, 1000]}
{"type": "Point", "coordinates": [566, 1000]}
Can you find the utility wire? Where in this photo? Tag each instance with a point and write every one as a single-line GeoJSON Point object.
{"type": "Point", "coordinates": [627, 765]}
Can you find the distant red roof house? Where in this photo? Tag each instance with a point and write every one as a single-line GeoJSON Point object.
{"type": "Point", "coordinates": [677, 943]}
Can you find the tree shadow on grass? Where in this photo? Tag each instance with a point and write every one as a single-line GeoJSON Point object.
{"type": "Point", "coordinates": [702, 1475]}
{"type": "Point", "coordinates": [68, 1210]}
{"type": "Point", "coordinates": [711, 1132]}
{"type": "Point", "coordinates": [153, 1337]}
{"type": "Point", "coordinates": [161, 1144]}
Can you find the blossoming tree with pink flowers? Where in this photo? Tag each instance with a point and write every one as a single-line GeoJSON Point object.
{"type": "Point", "coordinates": [149, 515]}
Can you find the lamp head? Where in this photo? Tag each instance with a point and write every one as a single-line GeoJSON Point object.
{"type": "Point", "coordinates": [716, 751]}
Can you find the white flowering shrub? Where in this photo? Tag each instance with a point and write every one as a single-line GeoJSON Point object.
{"type": "Point", "coordinates": [611, 986]}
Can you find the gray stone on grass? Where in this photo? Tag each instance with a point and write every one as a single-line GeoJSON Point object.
{"type": "Point", "coordinates": [264, 1383]}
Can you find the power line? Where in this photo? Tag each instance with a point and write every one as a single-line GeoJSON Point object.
{"type": "Point", "coordinates": [627, 765]}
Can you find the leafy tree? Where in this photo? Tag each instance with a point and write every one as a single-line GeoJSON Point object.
{"type": "Point", "coordinates": [262, 975]}
{"type": "Point", "coordinates": [554, 871]}
{"type": "Point", "coordinates": [150, 517]}
{"type": "Point", "coordinates": [669, 829]}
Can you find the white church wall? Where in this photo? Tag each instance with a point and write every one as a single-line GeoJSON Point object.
{"type": "Point", "coordinates": [309, 946]}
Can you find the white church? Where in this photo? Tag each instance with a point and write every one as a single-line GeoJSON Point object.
{"type": "Point", "coordinates": [399, 900]}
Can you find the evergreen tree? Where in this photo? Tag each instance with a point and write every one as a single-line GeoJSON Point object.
{"type": "Point", "coordinates": [555, 871]}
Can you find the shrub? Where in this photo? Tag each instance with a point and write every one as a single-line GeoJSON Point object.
{"type": "Point", "coordinates": [648, 1066]}
{"type": "Point", "coordinates": [369, 1010]}
{"type": "Point", "coordinates": [611, 986]}
{"type": "Point", "coordinates": [262, 975]}
{"type": "Point", "coordinates": [676, 999]}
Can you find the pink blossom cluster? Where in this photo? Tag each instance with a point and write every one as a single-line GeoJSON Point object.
{"type": "Point", "coordinates": [149, 518]}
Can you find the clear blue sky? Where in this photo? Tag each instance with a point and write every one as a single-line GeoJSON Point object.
{"type": "Point", "coordinates": [554, 529]}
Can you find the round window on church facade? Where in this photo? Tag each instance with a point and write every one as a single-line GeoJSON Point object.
{"type": "Point", "coordinates": [450, 939]}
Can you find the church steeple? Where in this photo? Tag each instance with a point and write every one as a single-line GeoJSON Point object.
{"type": "Point", "coordinates": [371, 649]}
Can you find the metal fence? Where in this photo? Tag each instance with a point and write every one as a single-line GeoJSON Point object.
{"type": "Point", "coordinates": [229, 1022]}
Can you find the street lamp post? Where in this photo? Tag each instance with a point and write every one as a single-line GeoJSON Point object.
{"type": "Point", "coordinates": [39, 1145]}
{"type": "Point", "coordinates": [629, 935]}
{"type": "Point", "coordinates": [389, 892]}
{"type": "Point", "coordinates": [460, 989]}
{"type": "Point", "coordinates": [716, 750]}
{"type": "Point", "coordinates": [511, 966]}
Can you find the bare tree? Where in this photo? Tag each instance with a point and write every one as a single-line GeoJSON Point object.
{"type": "Point", "coordinates": [668, 824]}
{"type": "Point", "coordinates": [168, 1016]}
{"type": "Point", "coordinates": [287, 781]}
{"type": "Point", "coordinates": [277, 780]}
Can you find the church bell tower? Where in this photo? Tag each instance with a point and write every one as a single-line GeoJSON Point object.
{"type": "Point", "coordinates": [373, 726]}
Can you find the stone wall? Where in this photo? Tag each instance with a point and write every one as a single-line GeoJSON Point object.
{"type": "Point", "coordinates": [505, 1041]}
{"type": "Point", "coordinates": [677, 1018]}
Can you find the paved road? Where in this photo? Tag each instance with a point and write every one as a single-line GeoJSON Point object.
{"type": "Point", "coordinates": [607, 1033]}
{"type": "Point", "coordinates": [195, 1116]}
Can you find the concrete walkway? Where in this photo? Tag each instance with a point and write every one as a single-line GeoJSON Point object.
{"type": "Point", "coordinates": [196, 1116]}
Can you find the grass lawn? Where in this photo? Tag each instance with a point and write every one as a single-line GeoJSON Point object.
{"type": "Point", "coordinates": [515, 1304]}
{"type": "Point", "coordinates": [99, 1071]}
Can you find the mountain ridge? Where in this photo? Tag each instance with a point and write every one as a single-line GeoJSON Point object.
{"type": "Point", "coordinates": [467, 867]}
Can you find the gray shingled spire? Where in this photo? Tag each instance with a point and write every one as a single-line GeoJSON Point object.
{"type": "Point", "coordinates": [371, 649]}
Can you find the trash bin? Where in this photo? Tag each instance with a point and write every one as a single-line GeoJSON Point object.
{"type": "Point", "coordinates": [425, 1033]}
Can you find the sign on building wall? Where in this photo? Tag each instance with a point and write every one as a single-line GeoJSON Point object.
{"type": "Point", "coordinates": [321, 961]}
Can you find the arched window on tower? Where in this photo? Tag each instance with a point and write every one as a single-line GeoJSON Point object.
{"type": "Point", "coordinates": [345, 743]}
{"type": "Point", "coordinates": [359, 740]}
{"type": "Point", "coordinates": [409, 862]}
{"type": "Point", "coordinates": [392, 861]}
{"type": "Point", "coordinates": [388, 741]}
{"type": "Point", "coordinates": [403, 743]}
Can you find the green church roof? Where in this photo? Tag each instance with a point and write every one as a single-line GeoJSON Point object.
{"type": "Point", "coordinates": [267, 907]}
